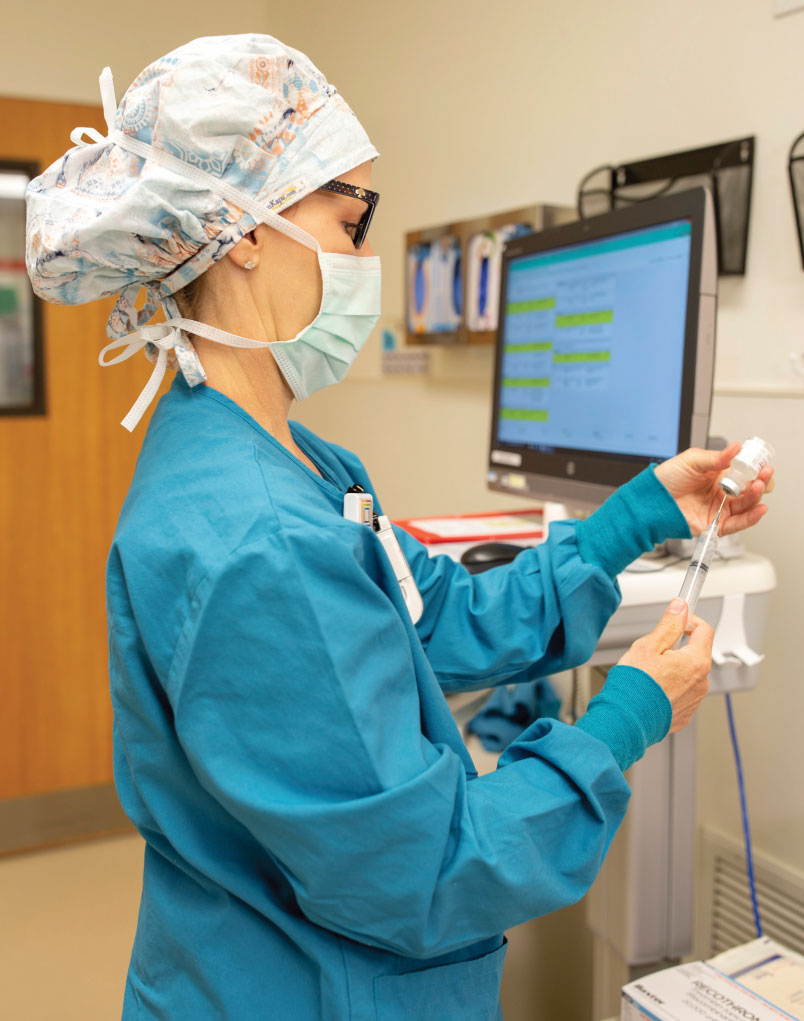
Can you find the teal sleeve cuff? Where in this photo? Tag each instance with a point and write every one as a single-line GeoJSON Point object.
{"type": "Point", "coordinates": [633, 519]}
{"type": "Point", "coordinates": [630, 713]}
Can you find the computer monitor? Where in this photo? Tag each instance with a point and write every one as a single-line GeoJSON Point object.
{"type": "Point", "coordinates": [605, 349]}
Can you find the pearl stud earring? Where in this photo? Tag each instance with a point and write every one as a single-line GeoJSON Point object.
{"type": "Point", "coordinates": [250, 264]}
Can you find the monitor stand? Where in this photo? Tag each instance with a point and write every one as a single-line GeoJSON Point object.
{"type": "Point", "coordinates": [551, 512]}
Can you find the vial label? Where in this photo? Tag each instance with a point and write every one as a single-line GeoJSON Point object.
{"type": "Point", "coordinates": [756, 453]}
{"type": "Point", "coordinates": [746, 465]}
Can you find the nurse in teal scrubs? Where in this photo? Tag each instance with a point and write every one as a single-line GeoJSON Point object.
{"type": "Point", "coordinates": [318, 844]}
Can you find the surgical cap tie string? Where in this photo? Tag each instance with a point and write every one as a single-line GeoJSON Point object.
{"type": "Point", "coordinates": [163, 336]}
{"type": "Point", "coordinates": [109, 110]}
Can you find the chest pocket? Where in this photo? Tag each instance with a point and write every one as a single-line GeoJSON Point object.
{"type": "Point", "coordinates": [466, 991]}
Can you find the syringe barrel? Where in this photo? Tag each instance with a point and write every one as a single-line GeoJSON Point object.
{"type": "Point", "coordinates": [693, 583]}
{"type": "Point", "coordinates": [699, 566]}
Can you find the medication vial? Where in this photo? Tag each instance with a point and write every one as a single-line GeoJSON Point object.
{"type": "Point", "coordinates": [753, 456]}
{"type": "Point", "coordinates": [744, 468]}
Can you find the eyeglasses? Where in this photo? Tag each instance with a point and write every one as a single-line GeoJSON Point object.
{"type": "Point", "coordinates": [371, 198]}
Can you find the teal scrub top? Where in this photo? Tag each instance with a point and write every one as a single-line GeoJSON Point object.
{"type": "Point", "coordinates": [318, 844]}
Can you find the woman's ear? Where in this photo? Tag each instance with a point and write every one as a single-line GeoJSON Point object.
{"type": "Point", "coordinates": [246, 253]}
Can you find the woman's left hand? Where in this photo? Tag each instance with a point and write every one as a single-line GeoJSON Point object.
{"type": "Point", "coordinates": [692, 480]}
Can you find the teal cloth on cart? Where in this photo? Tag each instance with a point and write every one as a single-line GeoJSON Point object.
{"type": "Point", "coordinates": [512, 708]}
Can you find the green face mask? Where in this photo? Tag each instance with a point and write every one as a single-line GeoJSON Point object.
{"type": "Point", "coordinates": [322, 352]}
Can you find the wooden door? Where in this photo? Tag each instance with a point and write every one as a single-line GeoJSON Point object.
{"type": "Point", "coordinates": [64, 478]}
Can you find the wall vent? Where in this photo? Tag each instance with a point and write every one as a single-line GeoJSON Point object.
{"type": "Point", "coordinates": [725, 918]}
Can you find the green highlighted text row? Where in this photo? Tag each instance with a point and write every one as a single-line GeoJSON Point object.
{"type": "Point", "coordinates": [536, 345]}
{"type": "Point", "coordinates": [583, 356]}
{"type": "Point", "coordinates": [524, 414]}
{"type": "Point", "coordinates": [533, 305]}
{"type": "Point", "coordinates": [605, 315]}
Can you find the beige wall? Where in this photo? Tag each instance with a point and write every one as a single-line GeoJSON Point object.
{"type": "Point", "coordinates": [477, 107]}
{"type": "Point", "coordinates": [51, 51]}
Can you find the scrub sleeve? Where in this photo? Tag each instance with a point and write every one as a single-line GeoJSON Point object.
{"type": "Point", "coordinates": [631, 712]}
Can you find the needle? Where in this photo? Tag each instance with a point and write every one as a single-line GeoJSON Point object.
{"type": "Point", "coordinates": [716, 518]}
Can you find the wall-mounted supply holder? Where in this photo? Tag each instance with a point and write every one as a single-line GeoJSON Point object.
{"type": "Point", "coordinates": [726, 167]}
{"type": "Point", "coordinates": [452, 274]}
{"type": "Point", "coordinates": [483, 271]}
{"type": "Point", "coordinates": [434, 285]}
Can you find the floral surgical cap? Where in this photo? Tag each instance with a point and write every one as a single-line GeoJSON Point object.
{"type": "Point", "coordinates": [199, 138]}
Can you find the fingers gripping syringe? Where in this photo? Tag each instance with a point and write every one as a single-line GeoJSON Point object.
{"type": "Point", "coordinates": [745, 466]}
{"type": "Point", "coordinates": [702, 557]}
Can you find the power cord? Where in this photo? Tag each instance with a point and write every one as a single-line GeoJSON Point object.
{"type": "Point", "coordinates": [594, 191]}
{"type": "Point", "coordinates": [749, 857]}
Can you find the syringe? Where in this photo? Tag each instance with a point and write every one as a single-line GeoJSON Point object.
{"type": "Point", "coordinates": [702, 557]}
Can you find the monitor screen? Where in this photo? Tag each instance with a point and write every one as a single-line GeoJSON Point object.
{"type": "Point", "coordinates": [575, 329]}
{"type": "Point", "coordinates": [597, 345]}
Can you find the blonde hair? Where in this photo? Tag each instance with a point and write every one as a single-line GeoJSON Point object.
{"type": "Point", "coordinates": [189, 298]}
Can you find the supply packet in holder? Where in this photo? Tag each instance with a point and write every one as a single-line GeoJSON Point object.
{"type": "Point", "coordinates": [758, 981]}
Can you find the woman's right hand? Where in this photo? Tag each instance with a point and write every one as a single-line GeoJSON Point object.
{"type": "Point", "coordinates": [682, 674]}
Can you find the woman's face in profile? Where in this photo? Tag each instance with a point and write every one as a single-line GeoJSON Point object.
{"type": "Point", "coordinates": [286, 282]}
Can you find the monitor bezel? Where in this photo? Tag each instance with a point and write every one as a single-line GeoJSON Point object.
{"type": "Point", "coordinates": [585, 472]}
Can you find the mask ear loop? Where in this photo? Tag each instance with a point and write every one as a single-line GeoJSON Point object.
{"type": "Point", "coordinates": [289, 229]}
{"type": "Point", "coordinates": [297, 233]}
